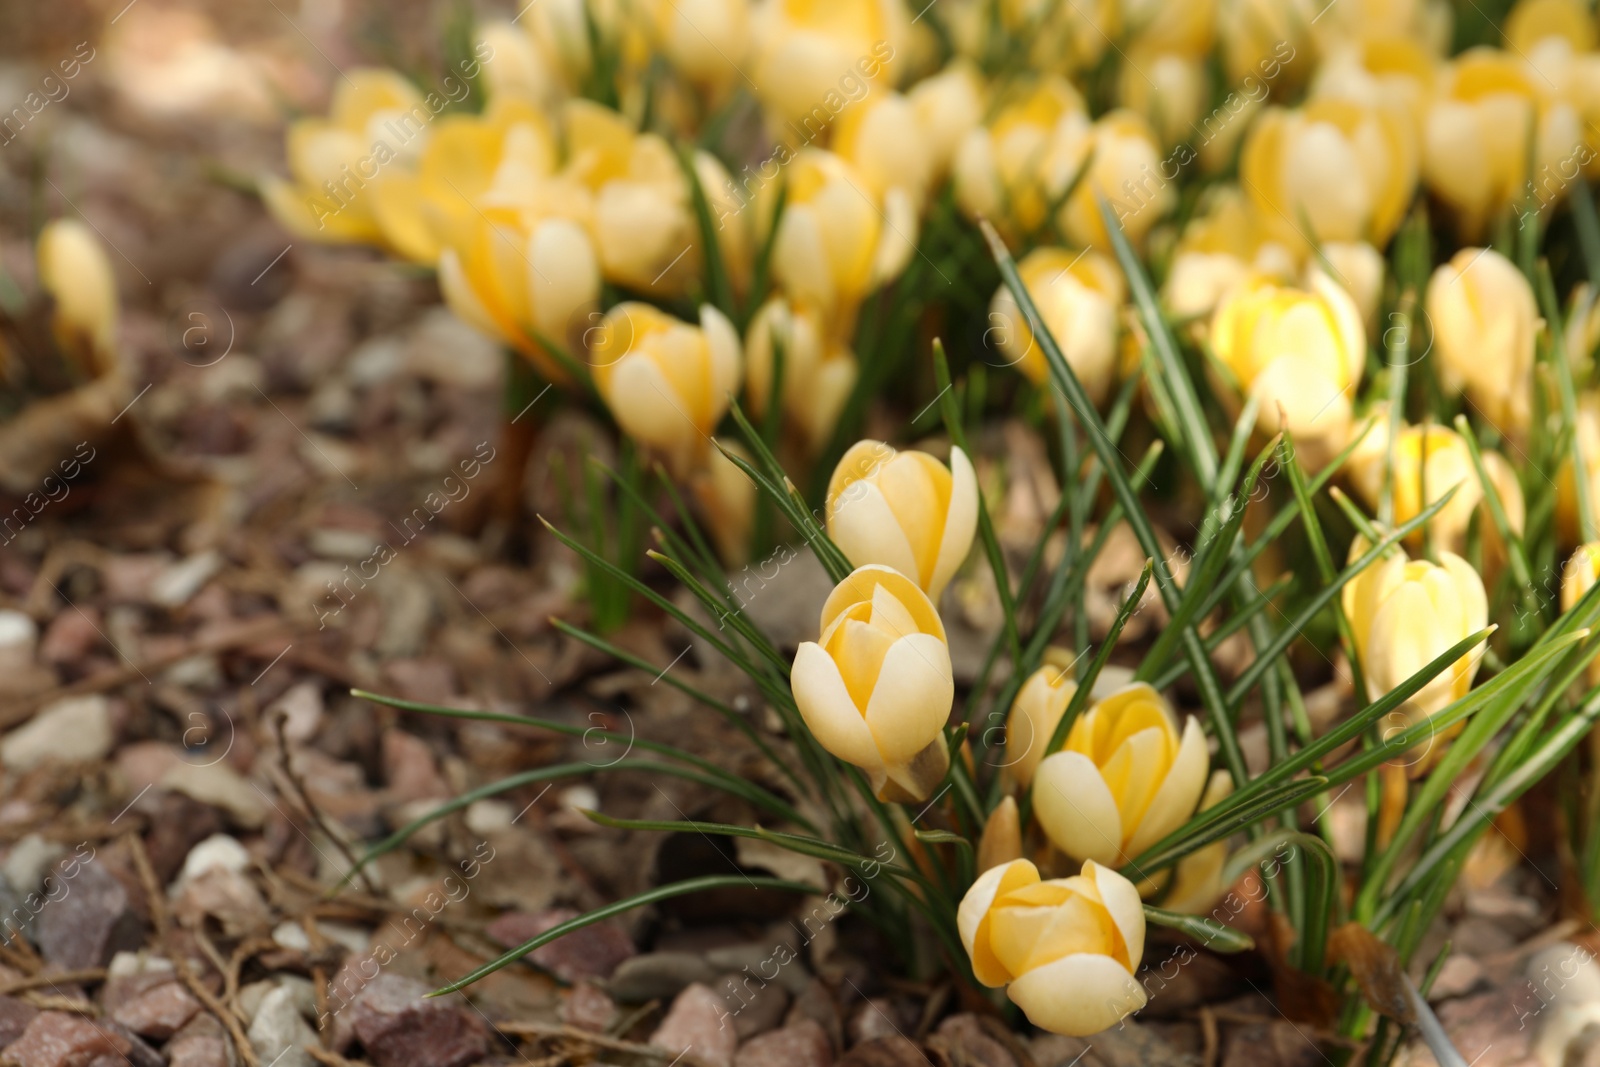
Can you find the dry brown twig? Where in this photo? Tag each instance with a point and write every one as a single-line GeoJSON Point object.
{"type": "Point", "coordinates": [280, 725]}
{"type": "Point", "coordinates": [547, 1031]}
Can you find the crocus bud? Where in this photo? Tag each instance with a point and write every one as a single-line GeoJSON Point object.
{"type": "Point", "coordinates": [706, 40]}
{"type": "Point", "coordinates": [904, 510]}
{"type": "Point", "coordinates": [883, 139]}
{"type": "Point", "coordinates": [378, 121]}
{"type": "Point", "coordinates": [1266, 42]}
{"type": "Point", "coordinates": [813, 60]}
{"type": "Point", "coordinates": [74, 270]}
{"type": "Point", "coordinates": [1078, 296]}
{"type": "Point", "coordinates": [836, 242]}
{"type": "Point", "coordinates": [1359, 269]}
{"type": "Point", "coordinates": [876, 688]}
{"type": "Point", "coordinates": [1576, 579]}
{"type": "Point", "coordinates": [1169, 89]}
{"type": "Point", "coordinates": [526, 283]}
{"type": "Point", "coordinates": [1484, 320]}
{"type": "Point", "coordinates": [1035, 713]}
{"type": "Point", "coordinates": [1345, 170]}
{"type": "Point", "coordinates": [1066, 950]}
{"type": "Point", "coordinates": [819, 370]}
{"type": "Point", "coordinates": [666, 382]}
{"type": "Point", "coordinates": [1000, 172]}
{"type": "Point", "coordinates": [1124, 779]}
{"type": "Point", "coordinates": [1404, 614]}
{"type": "Point", "coordinates": [949, 105]}
{"type": "Point", "coordinates": [1489, 106]}
{"type": "Point", "coordinates": [1124, 168]}
{"type": "Point", "coordinates": [1301, 352]}
{"type": "Point", "coordinates": [727, 499]}
{"type": "Point", "coordinates": [1001, 841]}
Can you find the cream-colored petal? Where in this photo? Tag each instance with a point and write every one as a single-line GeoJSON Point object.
{"type": "Point", "coordinates": [1077, 995]}
{"type": "Point", "coordinates": [1076, 809]}
{"type": "Point", "coordinates": [1121, 899]}
{"type": "Point", "coordinates": [726, 362]}
{"type": "Point", "coordinates": [866, 530]}
{"type": "Point", "coordinates": [1180, 792]}
{"type": "Point", "coordinates": [828, 711]}
{"type": "Point", "coordinates": [462, 298]}
{"type": "Point", "coordinates": [973, 913]}
{"type": "Point", "coordinates": [912, 700]}
{"type": "Point", "coordinates": [641, 398]}
{"type": "Point", "coordinates": [565, 278]}
{"type": "Point", "coordinates": [960, 523]}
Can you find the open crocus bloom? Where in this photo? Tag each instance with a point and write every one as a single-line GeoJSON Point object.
{"type": "Point", "coordinates": [876, 688]}
{"type": "Point", "coordinates": [1124, 779]}
{"type": "Point", "coordinates": [1065, 949]}
{"type": "Point", "coordinates": [905, 510]}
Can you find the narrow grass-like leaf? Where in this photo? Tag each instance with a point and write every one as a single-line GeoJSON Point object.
{"type": "Point", "coordinates": [717, 282]}
{"type": "Point", "coordinates": [1211, 934]}
{"type": "Point", "coordinates": [638, 900]}
{"type": "Point", "coordinates": [725, 781]}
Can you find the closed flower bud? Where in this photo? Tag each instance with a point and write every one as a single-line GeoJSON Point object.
{"type": "Point", "coordinates": [835, 242]}
{"type": "Point", "coordinates": [1436, 460]}
{"type": "Point", "coordinates": [1035, 714]}
{"type": "Point", "coordinates": [883, 139]}
{"type": "Point", "coordinates": [529, 282]}
{"type": "Point", "coordinates": [1220, 247]}
{"type": "Point", "coordinates": [1484, 322]}
{"type": "Point", "coordinates": [378, 121]}
{"type": "Point", "coordinates": [74, 270]}
{"type": "Point", "coordinates": [1179, 27]}
{"type": "Point", "coordinates": [819, 370]}
{"type": "Point", "coordinates": [1475, 145]}
{"type": "Point", "coordinates": [813, 60]}
{"type": "Point", "coordinates": [1066, 949]}
{"type": "Point", "coordinates": [1576, 579]}
{"type": "Point", "coordinates": [1359, 269]}
{"type": "Point", "coordinates": [1001, 841]}
{"type": "Point", "coordinates": [667, 382]}
{"type": "Point", "coordinates": [904, 510]}
{"type": "Point", "coordinates": [706, 40]}
{"type": "Point", "coordinates": [1078, 296]}
{"type": "Point", "coordinates": [949, 105]}
{"type": "Point", "coordinates": [1000, 171]}
{"type": "Point", "coordinates": [1392, 73]}
{"type": "Point", "coordinates": [1404, 613]}
{"type": "Point", "coordinates": [1124, 169]}
{"type": "Point", "coordinates": [1124, 779]}
{"type": "Point", "coordinates": [876, 688]}
{"type": "Point", "coordinates": [518, 70]}
{"type": "Point", "coordinates": [1266, 43]}
{"type": "Point", "coordinates": [1170, 89]}
{"type": "Point", "coordinates": [1301, 352]}
{"type": "Point", "coordinates": [1345, 170]}
{"type": "Point", "coordinates": [727, 499]}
